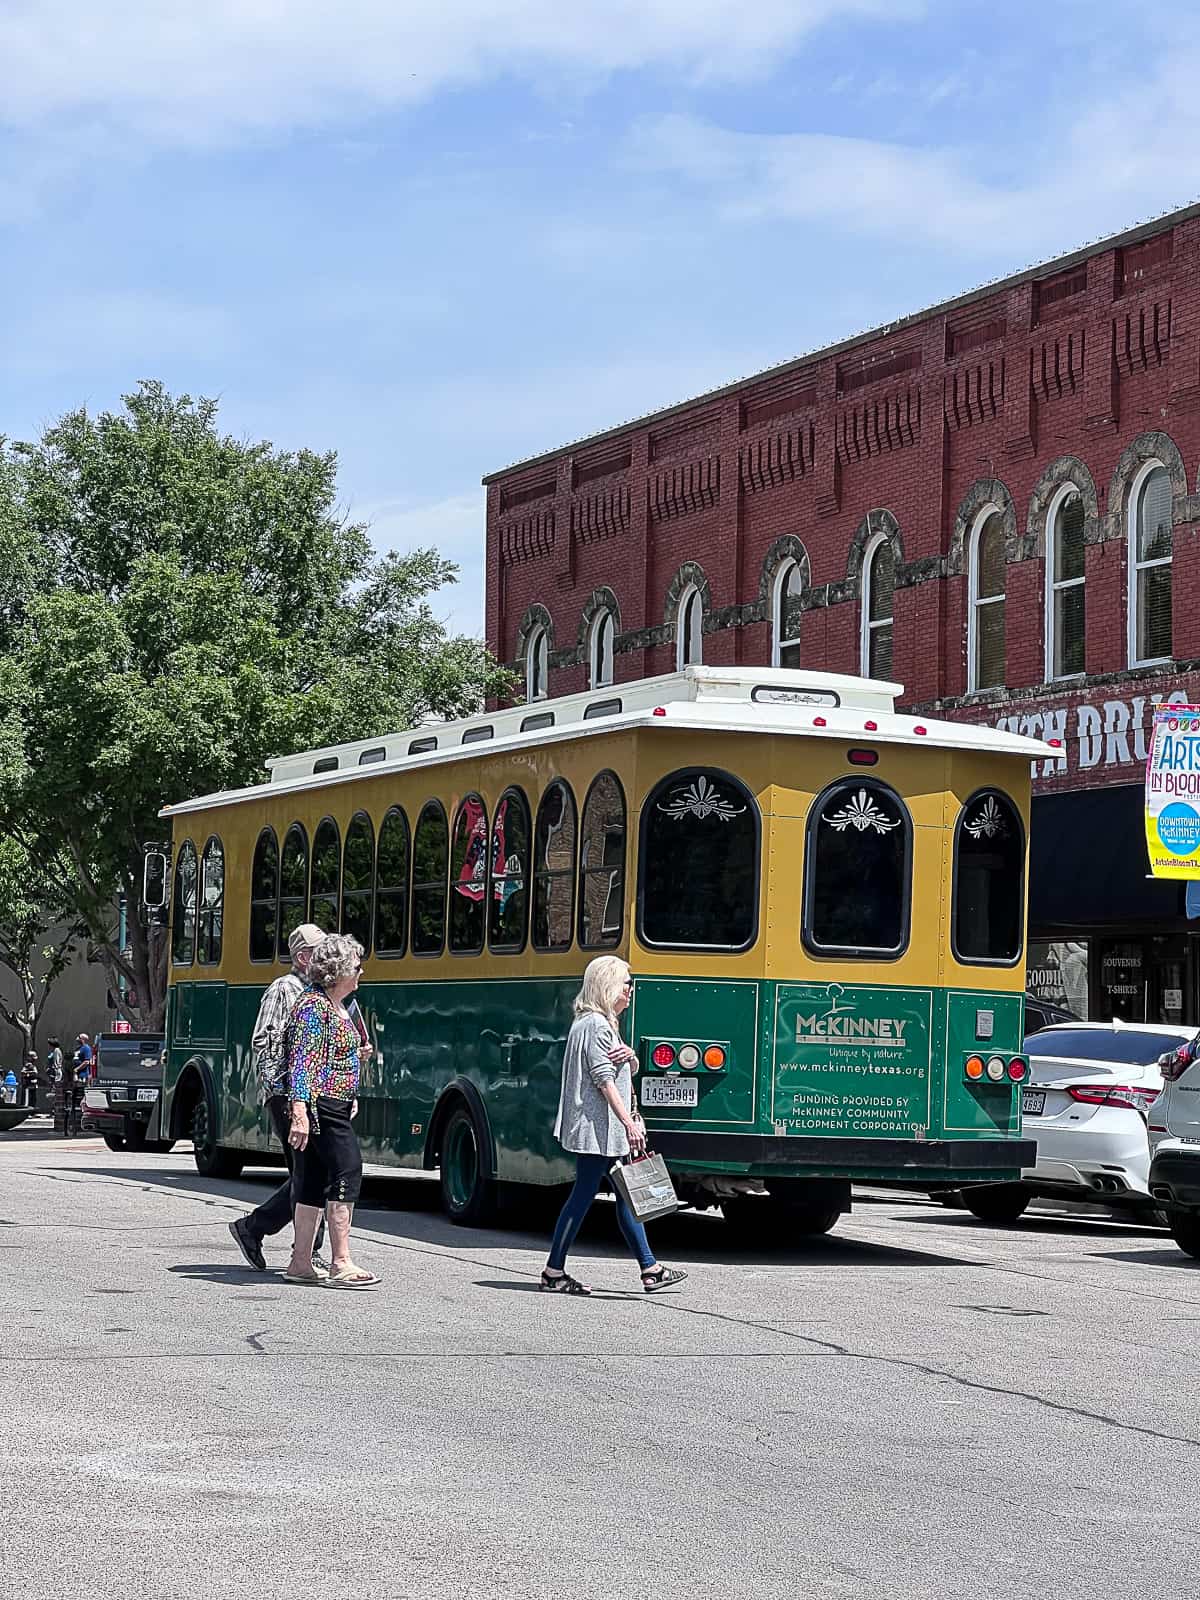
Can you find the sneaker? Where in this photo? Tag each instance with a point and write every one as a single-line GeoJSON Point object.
{"type": "Point", "coordinates": [320, 1265]}
{"type": "Point", "coordinates": [250, 1247]}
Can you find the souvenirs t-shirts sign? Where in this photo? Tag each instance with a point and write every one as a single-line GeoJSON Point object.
{"type": "Point", "coordinates": [1173, 793]}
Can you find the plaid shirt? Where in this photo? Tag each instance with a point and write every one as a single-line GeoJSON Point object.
{"type": "Point", "coordinates": [267, 1050]}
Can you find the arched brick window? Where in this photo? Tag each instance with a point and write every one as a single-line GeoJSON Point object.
{"type": "Point", "coordinates": [1151, 549]}
{"type": "Point", "coordinates": [1065, 601]}
{"type": "Point", "coordinates": [985, 627]}
{"type": "Point", "coordinates": [878, 589]}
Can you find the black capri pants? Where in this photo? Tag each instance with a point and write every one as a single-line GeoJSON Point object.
{"type": "Point", "coordinates": [330, 1165]}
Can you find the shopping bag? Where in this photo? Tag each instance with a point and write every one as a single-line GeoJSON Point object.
{"type": "Point", "coordinates": [645, 1185]}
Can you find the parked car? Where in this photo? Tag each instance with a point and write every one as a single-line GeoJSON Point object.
{"type": "Point", "coordinates": [1175, 1144]}
{"type": "Point", "coordinates": [1041, 1013]}
{"type": "Point", "coordinates": [1087, 1103]}
{"type": "Point", "coordinates": [122, 1100]}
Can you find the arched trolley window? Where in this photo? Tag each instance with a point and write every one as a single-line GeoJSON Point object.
{"type": "Point", "coordinates": [508, 897]}
{"type": "Point", "coordinates": [554, 869]}
{"type": "Point", "coordinates": [468, 876]}
{"type": "Point", "coordinates": [358, 879]}
{"type": "Point", "coordinates": [431, 850]}
{"type": "Point", "coordinates": [183, 911]}
{"type": "Point", "coordinates": [293, 885]}
{"type": "Point", "coordinates": [391, 885]}
{"type": "Point", "coordinates": [326, 876]}
{"type": "Point", "coordinates": [857, 872]}
{"type": "Point", "coordinates": [212, 903]}
{"type": "Point", "coordinates": [989, 881]}
{"type": "Point", "coordinates": [602, 865]}
{"type": "Point", "coordinates": [698, 863]}
{"type": "Point", "coordinates": [264, 897]}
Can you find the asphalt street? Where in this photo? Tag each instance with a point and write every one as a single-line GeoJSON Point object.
{"type": "Point", "coordinates": [918, 1406]}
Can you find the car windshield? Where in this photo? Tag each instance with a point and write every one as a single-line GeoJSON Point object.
{"type": "Point", "coordinates": [1122, 1046]}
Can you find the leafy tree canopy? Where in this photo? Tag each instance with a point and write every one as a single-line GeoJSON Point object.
{"type": "Point", "coordinates": [185, 605]}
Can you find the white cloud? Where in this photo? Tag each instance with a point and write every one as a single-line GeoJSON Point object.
{"type": "Point", "coordinates": [1115, 164]}
{"type": "Point", "coordinates": [454, 527]}
{"type": "Point", "coordinates": [214, 73]}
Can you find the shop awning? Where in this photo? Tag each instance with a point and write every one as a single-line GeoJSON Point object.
{"type": "Point", "coordinates": [1088, 866]}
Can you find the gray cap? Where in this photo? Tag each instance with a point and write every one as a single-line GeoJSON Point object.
{"type": "Point", "coordinates": [306, 937]}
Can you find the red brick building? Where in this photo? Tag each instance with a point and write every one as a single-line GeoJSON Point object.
{"type": "Point", "coordinates": [991, 502]}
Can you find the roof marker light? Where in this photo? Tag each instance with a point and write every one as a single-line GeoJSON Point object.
{"type": "Point", "coordinates": [1057, 743]}
{"type": "Point", "coordinates": [819, 722]}
{"type": "Point", "coordinates": [659, 711]}
{"type": "Point", "coordinates": [920, 728]}
{"type": "Point", "coordinates": [871, 727]}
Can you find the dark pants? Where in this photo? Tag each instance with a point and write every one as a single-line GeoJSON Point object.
{"type": "Point", "coordinates": [274, 1214]}
{"type": "Point", "coordinates": [590, 1173]}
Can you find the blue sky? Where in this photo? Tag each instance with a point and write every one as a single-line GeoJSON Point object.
{"type": "Point", "coordinates": [439, 238]}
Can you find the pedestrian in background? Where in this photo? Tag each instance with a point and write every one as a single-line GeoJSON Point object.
{"type": "Point", "coordinates": [269, 1059]}
{"type": "Point", "coordinates": [54, 1061]}
{"type": "Point", "coordinates": [29, 1078]}
{"type": "Point", "coordinates": [323, 1062]}
{"type": "Point", "coordinates": [598, 1124]}
{"type": "Point", "coordinates": [82, 1059]}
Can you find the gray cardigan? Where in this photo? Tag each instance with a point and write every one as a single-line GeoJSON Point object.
{"type": "Point", "coordinates": [586, 1124]}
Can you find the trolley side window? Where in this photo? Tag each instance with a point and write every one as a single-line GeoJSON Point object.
{"type": "Point", "coordinates": [698, 863]}
{"type": "Point", "coordinates": [326, 875]}
{"type": "Point", "coordinates": [264, 896]}
{"type": "Point", "coordinates": [358, 879]}
{"type": "Point", "coordinates": [391, 880]}
{"type": "Point", "coordinates": [183, 912]}
{"type": "Point", "coordinates": [212, 903]}
{"type": "Point", "coordinates": [602, 865]}
{"type": "Point", "coordinates": [989, 880]}
{"type": "Point", "coordinates": [431, 849]}
{"type": "Point", "coordinates": [554, 869]}
{"type": "Point", "coordinates": [293, 885]}
{"type": "Point", "coordinates": [468, 877]}
{"type": "Point", "coordinates": [508, 900]}
{"type": "Point", "coordinates": [858, 872]}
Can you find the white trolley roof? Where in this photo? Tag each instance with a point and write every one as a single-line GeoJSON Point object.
{"type": "Point", "coordinates": [763, 700]}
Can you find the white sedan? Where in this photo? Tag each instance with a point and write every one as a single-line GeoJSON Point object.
{"type": "Point", "coordinates": [1087, 1102]}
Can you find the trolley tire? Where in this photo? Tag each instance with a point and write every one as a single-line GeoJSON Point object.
{"type": "Point", "coordinates": [136, 1138]}
{"type": "Point", "coordinates": [997, 1203]}
{"type": "Point", "coordinates": [1185, 1230]}
{"type": "Point", "coordinates": [470, 1197]}
{"type": "Point", "coordinates": [755, 1219]}
{"type": "Point", "coordinates": [114, 1141]}
{"type": "Point", "coordinates": [212, 1160]}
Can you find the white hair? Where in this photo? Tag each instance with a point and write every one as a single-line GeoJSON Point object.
{"type": "Point", "coordinates": [337, 956]}
{"type": "Point", "coordinates": [604, 980]}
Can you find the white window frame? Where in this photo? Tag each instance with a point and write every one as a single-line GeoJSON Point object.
{"type": "Point", "coordinates": [601, 639]}
{"type": "Point", "coordinates": [1134, 567]}
{"type": "Point", "coordinates": [537, 662]}
{"type": "Point", "coordinates": [690, 594]}
{"type": "Point", "coordinates": [866, 626]}
{"type": "Point", "coordinates": [1053, 587]}
{"type": "Point", "coordinates": [974, 601]}
{"type": "Point", "coordinates": [778, 642]}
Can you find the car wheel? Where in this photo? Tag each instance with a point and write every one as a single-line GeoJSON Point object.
{"type": "Point", "coordinates": [114, 1141]}
{"type": "Point", "coordinates": [1185, 1230]}
{"type": "Point", "coordinates": [212, 1160]}
{"type": "Point", "coordinates": [998, 1203]}
{"type": "Point", "coordinates": [469, 1195]}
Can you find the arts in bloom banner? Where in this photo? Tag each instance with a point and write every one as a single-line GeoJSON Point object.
{"type": "Point", "coordinates": [1173, 793]}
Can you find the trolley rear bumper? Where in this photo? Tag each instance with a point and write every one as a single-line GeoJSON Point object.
{"type": "Point", "coordinates": [927, 1160]}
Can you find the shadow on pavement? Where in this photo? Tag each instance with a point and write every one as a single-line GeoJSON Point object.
{"type": "Point", "coordinates": [1170, 1256]}
{"type": "Point", "coordinates": [406, 1207]}
{"type": "Point", "coordinates": [1068, 1227]}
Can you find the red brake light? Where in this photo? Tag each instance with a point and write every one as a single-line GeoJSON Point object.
{"type": "Point", "coordinates": [862, 758]}
{"type": "Point", "coordinates": [663, 1055]}
{"type": "Point", "coordinates": [1175, 1063]}
{"type": "Point", "coordinates": [1017, 1069]}
{"type": "Point", "coordinates": [1114, 1094]}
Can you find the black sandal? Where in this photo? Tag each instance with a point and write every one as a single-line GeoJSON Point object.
{"type": "Point", "coordinates": [565, 1284]}
{"type": "Point", "coordinates": [662, 1279]}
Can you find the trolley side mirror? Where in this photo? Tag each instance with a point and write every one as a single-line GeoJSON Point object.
{"type": "Point", "coordinates": [155, 868]}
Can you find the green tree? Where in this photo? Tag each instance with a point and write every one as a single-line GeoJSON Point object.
{"type": "Point", "coordinates": [201, 604]}
{"type": "Point", "coordinates": [38, 933]}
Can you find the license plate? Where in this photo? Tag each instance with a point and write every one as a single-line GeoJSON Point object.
{"type": "Point", "coordinates": [1033, 1102]}
{"type": "Point", "coordinates": [147, 1094]}
{"type": "Point", "coordinates": [670, 1092]}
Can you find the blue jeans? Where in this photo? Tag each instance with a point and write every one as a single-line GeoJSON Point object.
{"type": "Point", "coordinates": [590, 1173]}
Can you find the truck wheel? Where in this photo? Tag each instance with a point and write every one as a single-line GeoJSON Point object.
{"type": "Point", "coordinates": [114, 1141]}
{"type": "Point", "coordinates": [469, 1195]}
{"type": "Point", "coordinates": [1185, 1230]}
{"type": "Point", "coordinates": [212, 1160]}
{"type": "Point", "coordinates": [998, 1203]}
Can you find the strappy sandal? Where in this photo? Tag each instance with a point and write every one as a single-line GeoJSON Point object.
{"type": "Point", "coordinates": [662, 1279]}
{"type": "Point", "coordinates": [566, 1284]}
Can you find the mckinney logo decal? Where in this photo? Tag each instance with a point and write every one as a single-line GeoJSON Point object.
{"type": "Point", "coordinates": [839, 1022]}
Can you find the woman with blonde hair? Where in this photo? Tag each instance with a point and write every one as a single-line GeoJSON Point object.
{"type": "Point", "coordinates": [597, 1123]}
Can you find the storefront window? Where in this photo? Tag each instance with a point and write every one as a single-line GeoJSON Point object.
{"type": "Point", "coordinates": [1058, 974]}
{"type": "Point", "coordinates": [1121, 981]}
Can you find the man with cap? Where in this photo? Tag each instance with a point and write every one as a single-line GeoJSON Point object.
{"type": "Point", "coordinates": [269, 1060]}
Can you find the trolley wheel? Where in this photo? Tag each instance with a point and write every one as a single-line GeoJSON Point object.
{"type": "Point", "coordinates": [1185, 1230]}
{"type": "Point", "coordinates": [212, 1160]}
{"type": "Point", "coordinates": [997, 1203]}
{"type": "Point", "coordinates": [114, 1141]}
{"type": "Point", "coordinates": [769, 1219]}
{"type": "Point", "coordinates": [469, 1195]}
